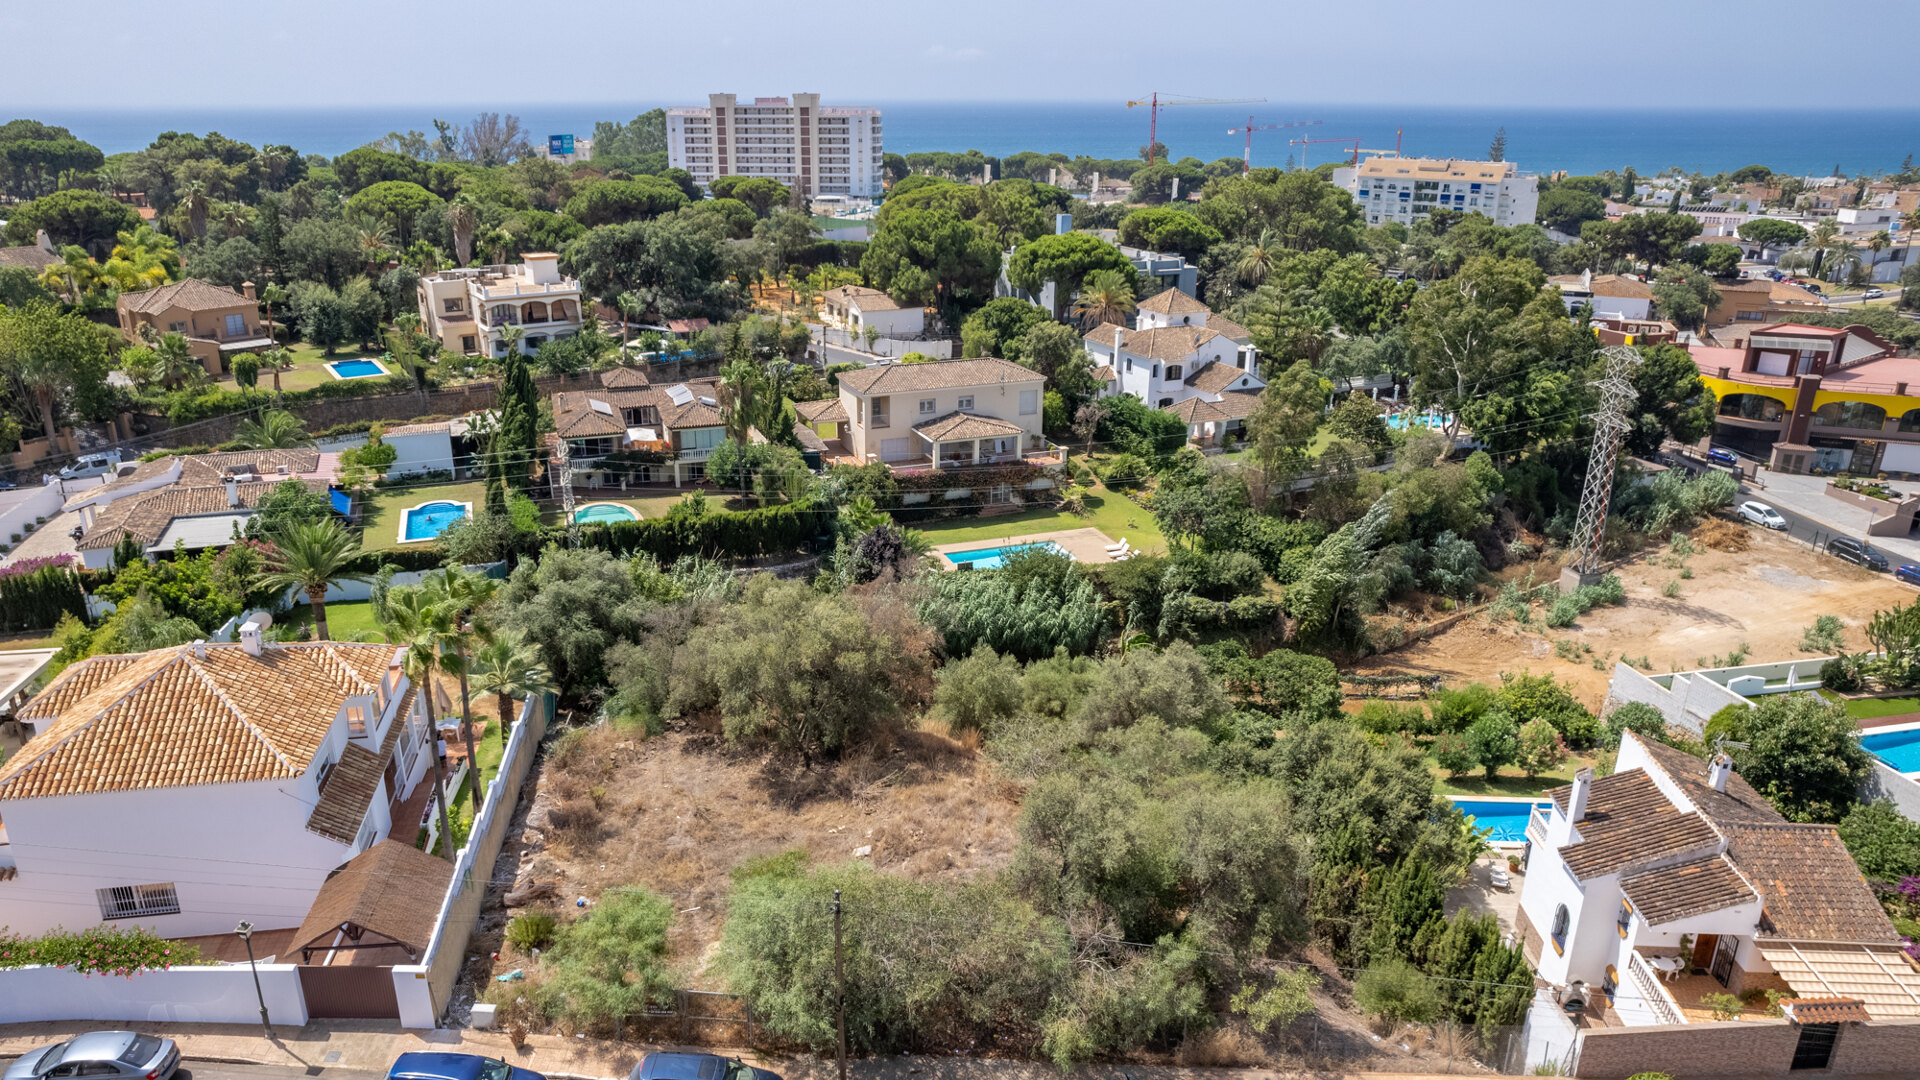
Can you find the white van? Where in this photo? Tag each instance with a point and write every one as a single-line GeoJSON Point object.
{"type": "Point", "coordinates": [91, 465]}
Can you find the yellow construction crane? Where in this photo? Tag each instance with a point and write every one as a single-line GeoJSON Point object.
{"type": "Point", "coordinates": [1157, 101]}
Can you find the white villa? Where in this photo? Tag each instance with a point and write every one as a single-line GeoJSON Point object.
{"type": "Point", "coordinates": [945, 413]}
{"type": "Point", "coordinates": [1181, 357]}
{"type": "Point", "coordinates": [465, 309]}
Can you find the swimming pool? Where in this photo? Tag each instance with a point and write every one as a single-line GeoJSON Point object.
{"type": "Point", "coordinates": [604, 513]}
{"type": "Point", "coordinates": [1899, 749]}
{"type": "Point", "coordinates": [356, 369]}
{"type": "Point", "coordinates": [1503, 821]}
{"type": "Point", "coordinates": [429, 520]}
{"type": "Point", "coordinates": [989, 558]}
{"type": "Point", "coordinates": [1433, 420]}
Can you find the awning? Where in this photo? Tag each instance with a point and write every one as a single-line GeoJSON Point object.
{"type": "Point", "coordinates": [1879, 976]}
{"type": "Point", "coordinates": [250, 343]}
{"type": "Point", "coordinates": [642, 434]}
{"type": "Point", "coordinates": [202, 531]}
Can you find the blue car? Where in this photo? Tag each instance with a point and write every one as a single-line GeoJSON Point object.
{"type": "Point", "coordinates": [1908, 573]}
{"type": "Point", "coordinates": [444, 1066]}
{"type": "Point", "coordinates": [1723, 457]}
{"type": "Point", "coordinates": [696, 1067]}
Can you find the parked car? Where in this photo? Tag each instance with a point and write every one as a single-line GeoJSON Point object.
{"type": "Point", "coordinates": [1724, 457]}
{"type": "Point", "coordinates": [102, 1054]}
{"type": "Point", "coordinates": [1762, 515]}
{"type": "Point", "coordinates": [1908, 573]}
{"type": "Point", "coordinates": [1812, 287]}
{"type": "Point", "coordinates": [91, 465]}
{"type": "Point", "coordinates": [1873, 294]}
{"type": "Point", "coordinates": [435, 1065]}
{"type": "Point", "coordinates": [1856, 552]}
{"type": "Point", "coordinates": [696, 1067]}
{"type": "Point", "coordinates": [1776, 275]}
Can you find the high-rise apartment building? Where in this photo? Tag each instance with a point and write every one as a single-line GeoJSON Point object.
{"type": "Point", "coordinates": [820, 151]}
{"type": "Point", "coordinates": [1405, 189]}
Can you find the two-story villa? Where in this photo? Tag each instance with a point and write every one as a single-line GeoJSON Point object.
{"type": "Point", "coordinates": [629, 413]}
{"type": "Point", "coordinates": [944, 414]}
{"type": "Point", "coordinates": [185, 788]}
{"type": "Point", "coordinates": [465, 309]}
{"type": "Point", "coordinates": [217, 322]}
{"type": "Point", "coordinates": [1673, 879]}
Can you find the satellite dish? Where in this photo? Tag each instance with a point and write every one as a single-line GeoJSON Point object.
{"type": "Point", "coordinates": [261, 616]}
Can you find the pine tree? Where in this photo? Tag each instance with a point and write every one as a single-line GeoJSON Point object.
{"type": "Point", "coordinates": [1497, 151]}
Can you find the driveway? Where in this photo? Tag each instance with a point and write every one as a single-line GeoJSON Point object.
{"type": "Point", "coordinates": [1815, 518]}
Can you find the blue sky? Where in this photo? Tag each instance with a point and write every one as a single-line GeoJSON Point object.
{"type": "Point", "coordinates": [278, 53]}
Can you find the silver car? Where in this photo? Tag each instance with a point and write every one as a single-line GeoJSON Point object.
{"type": "Point", "coordinates": [1763, 515]}
{"type": "Point", "coordinates": [127, 1055]}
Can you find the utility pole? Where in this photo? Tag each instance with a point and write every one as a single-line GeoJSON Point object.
{"type": "Point", "coordinates": [840, 981]}
{"type": "Point", "coordinates": [566, 495]}
{"type": "Point", "coordinates": [1609, 426]}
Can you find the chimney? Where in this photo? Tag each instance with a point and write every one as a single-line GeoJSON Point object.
{"type": "Point", "coordinates": [1116, 348]}
{"type": "Point", "coordinates": [1176, 190]}
{"type": "Point", "coordinates": [1062, 224]}
{"type": "Point", "coordinates": [1586, 279]}
{"type": "Point", "coordinates": [1718, 770]}
{"type": "Point", "coordinates": [246, 290]}
{"type": "Point", "coordinates": [41, 238]}
{"type": "Point", "coordinates": [251, 633]}
{"type": "Point", "coordinates": [233, 492]}
{"type": "Point", "coordinates": [1577, 802]}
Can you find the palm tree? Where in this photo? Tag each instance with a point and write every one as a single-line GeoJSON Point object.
{"type": "Point", "coordinates": [510, 337]}
{"type": "Point", "coordinates": [508, 666]}
{"type": "Point", "coordinates": [1822, 237]}
{"type": "Point", "coordinates": [465, 593]}
{"type": "Point", "coordinates": [76, 275]}
{"type": "Point", "coordinates": [142, 259]}
{"type": "Point", "coordinates": [1878, 243]}
{"type": "Point", "coordinates": [276, 361]}
{"type": "Point", "coordinates": [277, 429]}
{"type": "Point", "coordinates": [463, 214]}
{"type": "Point", "coordinates": [1107, 297]}
{"type": "Point", "coordinates": [269, 296]}
{"type": "Point", "coordinates": [420, 626]}
{"type": "Point", "coordinates": [374, 238]}
{"type": "Point", "coordinates": [1257, 261]}
{"type": "Point", "coordinates": [196, 202]}
{"type": "Point", "coordinates": [178, 365]}
{"type": "Point", "coordinates": [313, 556]}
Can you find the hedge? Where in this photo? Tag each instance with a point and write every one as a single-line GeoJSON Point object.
{"type": "Point", "coordinates": [34, 593]}
{"type": "Point", "coordinates": [743, 535]}
{"type": "Point", "coordinates": [186, 408]}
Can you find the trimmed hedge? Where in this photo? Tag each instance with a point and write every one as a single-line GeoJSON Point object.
{"type": "Point", "coordinates": [743, 535]}
{"type": "Point", "coordinates": [36, 592]}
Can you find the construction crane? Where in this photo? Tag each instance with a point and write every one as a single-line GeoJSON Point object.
{"type": "Point", "coordinates": [1303, 154]}
{"type": "Point", "coordinates": [1246, 154]}
{"type": "Point", "coordinates": [1156, 101]}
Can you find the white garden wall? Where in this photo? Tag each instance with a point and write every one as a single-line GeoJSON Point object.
{"type": "Point", "coordinates": [210, 995]}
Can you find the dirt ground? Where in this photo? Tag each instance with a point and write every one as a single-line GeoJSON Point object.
{"type": "Point", "coordinates": [677, 813]}
{"type": "Point", "coordinates": [1763, 597]}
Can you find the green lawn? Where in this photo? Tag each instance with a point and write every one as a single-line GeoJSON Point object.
{"type": "Point", "coordinates": [346, 619]}
{"type": "Point", "coordinates": [309, 367]}
{"type": "Point", "coordinates": [1509, 781]}
{"type": "Point", "coordinates": [1871, 708]}
{"type": "Point", "coordinates": [27, 642]}
{"type": "Point", "coordinates": [1110, 512]}
{"type": "Point", "coordinates": [383, 510]}
{"type": "Point", "coordinates": [647, 506]}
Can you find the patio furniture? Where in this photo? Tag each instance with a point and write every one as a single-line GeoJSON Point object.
{"type": "Point", "coordinates": [1501, 880]}
{"type": "Point", "coordinates": [1117, 548]}
{"type": "Point", "coordinates": [1669, 967]}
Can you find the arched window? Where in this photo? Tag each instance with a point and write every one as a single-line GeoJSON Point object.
{"type": "Point", "coordinates": [1752, 407]}
{"type": "Point", "coordinates": [1910, 420]}
{"type": "Point", "coordinates": [502, 315]}
{"type": "Point", "coordinates": [1561, 917]}
{"type": "Point", "coordinates": [1850, 414]}
{"type": "Point", "coordinates": [562, 311]}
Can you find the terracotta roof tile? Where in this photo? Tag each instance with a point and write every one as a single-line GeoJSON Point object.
{"type": "Point", "coordinates": [1811, 887]}
{"type": "Point", "coordinates": [863, 298]}
{"type": "Point", "coordinates": [962, 425]}
{"type": "Point", "coordinates": [192, 714]}
{"type": "Point", "coordinates": [829, 411]}
{"type": "Point", "coordinates": [1167, 343]}
{"type": "Point", "coordinates": [1694, 887]}
{"type": "Point", "coordinates": [1629, 821]}
{"type": "Point", "coordinates": [192, 294]}
{"type": "Point", "coordinates": [1173, 302]}
{"type": "Point", "coordinates": [1214, 377]}
{"type": "Point", "coordinates": [1740, 802]}
{"type": "Point", "coordinates": [355, 779]}
{"type": "Point", "coordinates": [936, 375]}
{"type": "Point", "coordinates": [29, 257]}
{"type": "Point", "coordinates": [1103, 334]}
{"type": "Point", "coordinates": [1226, 327]}
{"type": "Point", "coordinates": [145, 516]}
{"type": "Point", "coordinates": [1234, 405]}
{"type": "Point", "coordinates": [1827, 1010]}
{"type": "Point", "coordinates": [392, 889]}
{"type": "Point", "coordinates": [624, 378]}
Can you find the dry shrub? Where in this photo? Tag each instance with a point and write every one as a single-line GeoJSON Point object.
{"type": "Point", "coordinates": [1230, 1046]}
{"type": "Point", "coordinates": [1722, 535]}
{"type": "Point", "coordinates": [577, 818]}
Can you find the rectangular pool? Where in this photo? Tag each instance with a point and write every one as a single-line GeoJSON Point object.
{"type": "Point", "coordinates": [990, 558]}
{"type": "Point", "coordinates": [1503, 822]}
{"type": "Point", "coordinates": [1899, 749]}
{"type": "Point", "coordinates": [356, 369]}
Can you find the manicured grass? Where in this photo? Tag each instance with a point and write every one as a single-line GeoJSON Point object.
{"type": "Point", "coordinates": [346, 619]}
{"type": "Point", "coordinates": [1509, 781]}
{"type": "Point", "coordinates": [1109, 511]}
{"type": "Point", "coordinates": [1870, 708]}
{"type": "Point", "coordinates": [27, 642]}
{"type": "Point", "coordinates": [383, 511]}
{"type": "Point", "coordinates": [309, 367]}
{"type": "Point", "coordinates": [647, 506]}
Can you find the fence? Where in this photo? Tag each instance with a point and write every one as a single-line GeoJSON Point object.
{"type": "Point", "coordinates": [211, 995]}
{"type": "Point", "coordinates": [424, 989]}
{"type": "Point", "coordinates": [938, 348]}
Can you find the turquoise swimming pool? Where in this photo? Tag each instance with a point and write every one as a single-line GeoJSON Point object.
{"type": "Point", "coordinates": [1899, 749]}
{"type": "Point", "coordinates": [356, 369]}
{"type": "Point", "coordinates": [604, 513]}
{"type": "Point", "coordinates": [1502, 821]}
{"type": "Point", "coordinates": [989, 558]}
{"type": "Point", "coordinates": [429, 520]}
{"type": "Point", "coordinates": [1433, 420]}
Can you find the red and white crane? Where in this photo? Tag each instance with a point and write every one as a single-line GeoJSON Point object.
{"type": "Point", "coordinates": [1246, 154]}
{"type": "Point", "coordinates": [1156, 101]}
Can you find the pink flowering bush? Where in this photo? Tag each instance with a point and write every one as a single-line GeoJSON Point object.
{"type": "Point", "coordinates": [98, 950]}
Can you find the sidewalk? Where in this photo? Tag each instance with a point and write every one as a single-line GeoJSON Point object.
{"type": "Point", "coordinates": [372, 1046]}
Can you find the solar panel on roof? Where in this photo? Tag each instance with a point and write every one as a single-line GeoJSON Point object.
{"type": "Point", "coordinates": [600, 406]}
{"type": "Point", "coordinates": [679, 394]}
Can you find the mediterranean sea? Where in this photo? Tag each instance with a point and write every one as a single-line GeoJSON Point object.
{"type": "Point", "coordinates": [1798, 141]}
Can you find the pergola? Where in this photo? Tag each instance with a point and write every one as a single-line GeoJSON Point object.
{"type": "Point", "coordinates": [386, 897]}
{"type": "Point", "coordinates": [955, 439]}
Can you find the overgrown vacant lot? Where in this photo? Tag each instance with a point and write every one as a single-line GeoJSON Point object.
{"type": "Point", "coordinates": [1764, 596]}
{"type": "Point", "coordinates": [677, 813]}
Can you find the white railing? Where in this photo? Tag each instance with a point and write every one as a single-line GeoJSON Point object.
{"type": "Point", "coordinates": [1655, 996]}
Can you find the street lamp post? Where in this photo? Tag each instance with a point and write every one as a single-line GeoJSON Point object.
{"type": "Point", "coordinates": [245, 930]}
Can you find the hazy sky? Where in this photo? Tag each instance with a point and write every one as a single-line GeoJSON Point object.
{"type": "Point", "coordinates": [276, 53]}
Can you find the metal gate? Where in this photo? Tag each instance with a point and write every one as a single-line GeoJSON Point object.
{"type": "Point", "coordinates": [349, 993]}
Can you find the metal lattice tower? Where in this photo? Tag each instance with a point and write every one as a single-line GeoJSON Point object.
{"type": "Point", "coordinates": [1609, 426]}
{"type": "Point", "coordinates": [566, 494]}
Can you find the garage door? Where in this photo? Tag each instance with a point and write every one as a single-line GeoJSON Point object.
{"type": "Point", "coordinates": [1900, 457]}
{"type": "Point", "coordinates": [895, 449]}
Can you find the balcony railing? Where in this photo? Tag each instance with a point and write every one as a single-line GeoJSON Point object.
{"type": "Point", "coordinates": [1653, 995]}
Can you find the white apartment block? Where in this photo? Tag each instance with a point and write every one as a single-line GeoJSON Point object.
{"type": "Point", "coordinates": [1406, 189]}
{"type": "Point", "coordinates": [818, 150]}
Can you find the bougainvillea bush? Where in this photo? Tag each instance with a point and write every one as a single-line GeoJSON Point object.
{"type": "Point", "coordinates": [98, 950]}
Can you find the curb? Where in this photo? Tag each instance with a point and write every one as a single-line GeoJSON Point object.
{"type": "Point", "coordinates": [274, 1064]}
